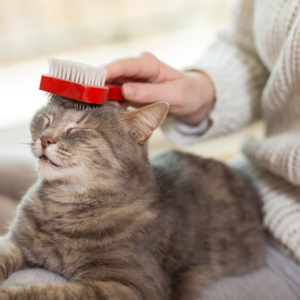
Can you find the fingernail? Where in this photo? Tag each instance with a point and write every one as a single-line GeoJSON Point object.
{"type": "Point", "coordinates": [130, 91]}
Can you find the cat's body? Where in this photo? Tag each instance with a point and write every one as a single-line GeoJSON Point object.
{"type": "Point", "coordinates": [160, 231]}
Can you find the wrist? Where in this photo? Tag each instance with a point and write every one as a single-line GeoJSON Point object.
{"type": "Point", "coordinates": [195, 118]}
{"type": "Point", "coordinates": [202, 98]}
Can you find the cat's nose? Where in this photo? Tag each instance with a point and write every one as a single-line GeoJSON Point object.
{"type": "Point", "coordinates": [46, 141]}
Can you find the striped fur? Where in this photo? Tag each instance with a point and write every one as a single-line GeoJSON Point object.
{"type": "Point", "coordinates": [119, 227]}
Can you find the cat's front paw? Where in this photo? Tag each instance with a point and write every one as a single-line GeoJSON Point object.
{"type": "Point", "coordinates": [27, 292]}
{"type": "Point", "coordinates": [11, 293]}
{"type": "Point", "coordinates": [10, 259]}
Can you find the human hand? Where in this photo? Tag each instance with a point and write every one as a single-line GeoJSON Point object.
{"type": "Point", "coordinates": [147, 80]}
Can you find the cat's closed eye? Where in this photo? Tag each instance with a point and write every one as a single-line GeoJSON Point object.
{"type": "Point", "coordinates": [69, 130]}
{"type": "Point", "coordinates": [47, 120]}
{"type": "Point", "coordinates": [72, 129]}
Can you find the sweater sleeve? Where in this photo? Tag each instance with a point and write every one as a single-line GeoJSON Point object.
{"type": "Point", "coordinates": [238, 76]}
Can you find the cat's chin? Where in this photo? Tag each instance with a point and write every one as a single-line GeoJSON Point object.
{"type": "Point", "coordinates": [46, 160]}
{"type": "Point", "coordinates": [74, 178]}
{"type": "Point", "coordinates": [50, 171]}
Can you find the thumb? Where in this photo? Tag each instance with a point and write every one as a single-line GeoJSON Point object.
{"type": "Point", "coordinates": [151, 92]}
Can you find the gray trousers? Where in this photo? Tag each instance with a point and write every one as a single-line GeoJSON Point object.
{"type": "Point", "coordinates": [279, 279]}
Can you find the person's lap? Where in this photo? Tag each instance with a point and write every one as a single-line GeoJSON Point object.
{"type": "Point", "coordinates": [278, 280]}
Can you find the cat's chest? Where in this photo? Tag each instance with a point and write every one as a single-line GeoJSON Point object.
{"type": "Point", "coordinates": [61, 254]}
{"type": "Point", "coordinates": [60, 238]}
{"type": "Point", "coordinates": [68, 239]}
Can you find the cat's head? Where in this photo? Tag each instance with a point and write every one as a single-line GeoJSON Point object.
{"type": "Point", "coordinates": [101, 144]}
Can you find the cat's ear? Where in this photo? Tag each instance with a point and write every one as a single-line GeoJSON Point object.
{"type": "Point", "coordinates": [142, 122]}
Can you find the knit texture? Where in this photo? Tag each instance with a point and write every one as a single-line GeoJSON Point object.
{"type": "Point", "coordinates": [281, 204]}
{"type": "Point", "coordinates": [255, 68]}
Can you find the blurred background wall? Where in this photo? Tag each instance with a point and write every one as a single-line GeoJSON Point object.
{"type": "Point", "coordinates": [32, 27]}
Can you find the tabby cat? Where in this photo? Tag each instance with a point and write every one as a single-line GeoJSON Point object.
{"type": "Point", "coordinates": [119, 227]}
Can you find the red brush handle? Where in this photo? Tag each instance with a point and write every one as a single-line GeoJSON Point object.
{"type": "Point", "coordinates": [114, 92]}
{"type": "Point", "coordinates": [80, 92]}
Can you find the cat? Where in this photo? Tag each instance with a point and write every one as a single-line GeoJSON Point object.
{"type": "Point", "coordinates": [116, 226]}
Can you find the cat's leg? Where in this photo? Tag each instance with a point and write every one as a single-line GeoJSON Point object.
{"type": "Point", "coordinates": [11, 258]}
{"type": "Point", "coordinates": [188, 284]}
{"type": "Point", "coordinates": [129, 283]}
{"type": "Point", "coordinates": [101, 290]}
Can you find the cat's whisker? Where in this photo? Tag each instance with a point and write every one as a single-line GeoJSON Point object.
{"type": "Point", "coordinates": [18, 143]}
{"type": "Point", "coordinates": [32, 172]}
{"type": "Point", "coordinates": [24, 135]}
{"type": "Point", "coordinates": [13, 148]}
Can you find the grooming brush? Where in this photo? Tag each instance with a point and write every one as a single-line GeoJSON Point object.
{"type": "Point", "coordinates": [79, 82]}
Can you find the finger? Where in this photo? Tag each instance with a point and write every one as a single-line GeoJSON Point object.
{"type": "Point", "coordinates": [114, 102]}
{"type": "Point", "coordinates": [121, 80]}
{"type": "Point", "coordinates": [123, 103]}
{"type": "Point", "coordinates": [144, 66]}
{"type": "Point", "coordinates": [170, 92]}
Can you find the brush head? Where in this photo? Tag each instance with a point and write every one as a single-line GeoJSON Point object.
{"type": "Point", "coordinates": [77, 72]}
{"type": "Point", "coordinates": [79, 82]}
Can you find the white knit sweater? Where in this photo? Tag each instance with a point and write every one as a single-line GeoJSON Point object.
{"type": "Point", "coordinates": [255, 68]}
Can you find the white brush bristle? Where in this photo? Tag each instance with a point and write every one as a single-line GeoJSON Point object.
{"type": "Point", "coordinates": [77, 72]}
